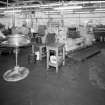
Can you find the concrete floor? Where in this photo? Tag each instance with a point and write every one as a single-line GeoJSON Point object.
{"type": "Point", "coordinates": [77, 83]}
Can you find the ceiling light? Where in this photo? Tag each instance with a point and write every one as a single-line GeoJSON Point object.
{"type": "Point", "coordinates": [12, 11]}
{"type": "Point", "coordinates": [68, 7]}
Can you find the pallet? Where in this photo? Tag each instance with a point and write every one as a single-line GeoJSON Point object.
{"type": "Point", "coordinates": [84, 53]}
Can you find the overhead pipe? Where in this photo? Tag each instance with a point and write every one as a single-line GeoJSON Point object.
{"type": "Point", "coordinates": [2, 2]}
{"type": "Point", "coordinates": [53, 5]}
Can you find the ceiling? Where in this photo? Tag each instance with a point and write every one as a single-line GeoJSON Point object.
{"type": "Point", "coordinates": [20, 2]}
{"type": "Point", "coordinates": [5, 3]}
{"type": "Point", "coordinates": [49, 5]}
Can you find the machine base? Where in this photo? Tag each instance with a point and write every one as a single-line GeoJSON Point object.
{"type": "Point", "coordinates": [16, 74]}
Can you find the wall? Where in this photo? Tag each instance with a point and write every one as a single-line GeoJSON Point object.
{"type": "Point", "coordinates": [83, 19]}
{"type": "Point", "coordinates": [69, 19]}
{"type": "Point", "coordinates": [6, 20]}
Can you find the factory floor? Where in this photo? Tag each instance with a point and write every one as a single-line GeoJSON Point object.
{"type": "Point", "coordinates": [76, 83]}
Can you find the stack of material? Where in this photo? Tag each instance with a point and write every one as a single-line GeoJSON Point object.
{"type": "Point", "coordinates": [41, 30]}
{"type": "Point", "coordinates": [20, 30]}
{"type": "Point", "coordinates": [72, 33]}
{"type": "Point", "coordinates": [99, 32]}
{"type": "Point", "coordinates": [85, 53]}
{"type": "Point", "coordinates": [73, 44]}
{"type": "Point", "coordinates": [51, 38]}
{"type": "Point", "coordinates": [61, 37]}
{"type": "Point", "coordinates": [88, 37]}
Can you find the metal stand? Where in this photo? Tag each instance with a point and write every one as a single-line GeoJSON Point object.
{"type": "Point", "coordinates": [17, 73]}
{"type": "Point", "coordinates": [16, 54]}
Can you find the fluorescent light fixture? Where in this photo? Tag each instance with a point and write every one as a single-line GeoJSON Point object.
{"type": "Point", "coordinates": [12, 11]}
{"type": "Point", "coordinates": [100, 9]}
{"type": "Point", "coordinates": [68, 7]}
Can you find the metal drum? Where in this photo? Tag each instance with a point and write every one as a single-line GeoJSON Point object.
{"type": "Point", "coordinates": [17, 40]}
